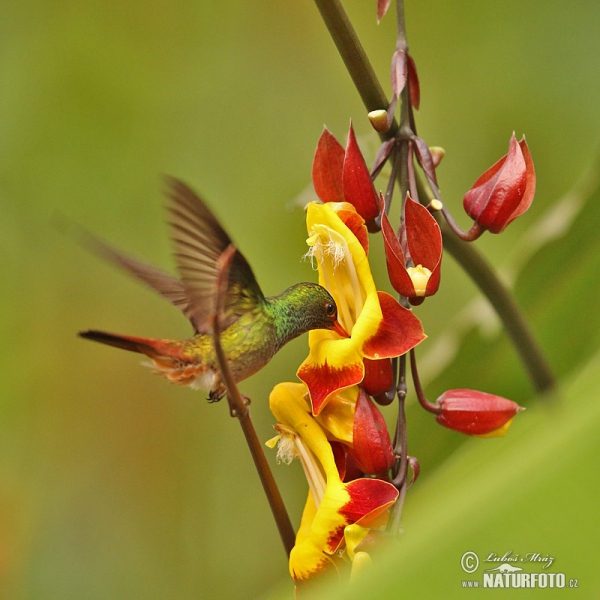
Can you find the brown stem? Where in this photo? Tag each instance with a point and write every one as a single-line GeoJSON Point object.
{"type": "Point", "coordinates": [239, 408]}
{"type": "Point", "coordinates": [394, 525]}
{"type": "Point", "coordinates": [428, 406]}
{"type": "Point", "coordinates": [466, 236]}
{"type": "Point", "coordinates": [505, 305]}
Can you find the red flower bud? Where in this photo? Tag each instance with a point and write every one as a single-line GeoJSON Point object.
{"type": "Point", "coordinates": [504, 191]}
{"type": "Point", "coordinates": [476, 413]}
{"type": "Point", "coordinates": [371, 446]}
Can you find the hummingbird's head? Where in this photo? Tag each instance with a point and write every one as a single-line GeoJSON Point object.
{"type": "Point", "coordinates": [317, 307]}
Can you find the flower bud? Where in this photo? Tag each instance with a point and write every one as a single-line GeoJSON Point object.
{"type": "Point", "coordinates": [476, 413]}
{"type": "Point", "coordinates": [379, 120]}
{"type": "Point", "coordinates": [371, 446]}
{"type": "Point", "coordinates": [437, 153]}
{"type": "Point", "coordinates": [504, 191]}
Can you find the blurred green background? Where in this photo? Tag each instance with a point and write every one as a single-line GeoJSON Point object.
{"type": "Point", "coordinates": [114, 484]}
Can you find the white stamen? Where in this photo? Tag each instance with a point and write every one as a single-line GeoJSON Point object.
{"type": "Point", "coordinates": [327, 243]}
{"type": "Point", "coordinates": [292, 446]}
{"type": "Point", "coordinates": [286, 450]}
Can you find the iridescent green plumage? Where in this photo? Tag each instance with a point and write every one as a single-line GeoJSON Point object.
{"type": "Point", "coordinates": [254, 327]}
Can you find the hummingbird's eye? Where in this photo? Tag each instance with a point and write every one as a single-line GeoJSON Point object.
{"type": "Point", "coordinates": [330, 309]}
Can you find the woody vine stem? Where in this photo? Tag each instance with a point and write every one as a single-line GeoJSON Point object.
{"type": "Point", "coordinates": [470, 259]}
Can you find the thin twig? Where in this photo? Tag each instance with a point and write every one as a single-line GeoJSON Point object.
{"type": "Point", "coordinates": [399, 480]}
{"type": "Point", "coordinates": [428, 406]}
{"type": "Point", "coordinates": [239, 409]}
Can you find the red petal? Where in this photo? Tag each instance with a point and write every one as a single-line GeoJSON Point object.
{"type": "Point", "coordinates": [371, 445]}
{"type": "Point", "coordinates": [424, 241]}
{"type": "Point", "coordinates": [327, 168]}
{"type": "Point", "coordinates": [368, 499]}
{"type": "Point", "coordinates": [530, 184]}
{"type": "Point", "coordinates": [378, 377]}
{"type": "Point", "coordinates": [413, 82]}
{"type": "Point", "coordinates": [394, 257]}
{"type": "Point", "coordinates": [399, 330]}
{"type": "Point", "coordinates": [356, 180]}
{"type": "Point", "coordinates": [399, 72]}
{"type": "Point", "coordinates": [357, 226]}
{"type": "Point", "coordinates": [423, 235]}
{"type": "Point", "coordinates": [323, 381]}
{"type": "Point", "coordinates": [382, 8]}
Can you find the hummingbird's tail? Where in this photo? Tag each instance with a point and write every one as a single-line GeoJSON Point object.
{"type": "Point", "coordinates": [157, 350]}
{"type": "Point", "coordinates": [168, 358]}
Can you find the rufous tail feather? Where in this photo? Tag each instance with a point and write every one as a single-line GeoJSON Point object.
{"type": "Point", "coordinates": [155, 349]}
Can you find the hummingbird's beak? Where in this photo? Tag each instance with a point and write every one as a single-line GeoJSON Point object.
{"type": "Point", "coordinates": [339, 329]}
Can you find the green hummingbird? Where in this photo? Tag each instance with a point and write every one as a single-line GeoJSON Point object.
{"type": "Point", "coordinates": [255, 327]}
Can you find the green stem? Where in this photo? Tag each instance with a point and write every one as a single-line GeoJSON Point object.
{"type": "Point", "coordinates": [467, 256]}
{"type": "Point", "coordinates": [354, 57]}
{"type": "Point", "coordinates": [505, 305]}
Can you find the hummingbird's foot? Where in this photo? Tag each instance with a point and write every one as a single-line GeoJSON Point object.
{"type": "Point", "coordinates": [214, 396]}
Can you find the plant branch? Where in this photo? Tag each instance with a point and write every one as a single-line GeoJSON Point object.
{"type": "Point", "coordinates": [239, 409]}
{"type": "Point", "coordinates": [467, 256]}
{"type": "Point", "coordinates": [354, 57]}
{"type": "Point", "coordinates": [505, 305]}
{"type": "Point", "coordinates": [400, 469]}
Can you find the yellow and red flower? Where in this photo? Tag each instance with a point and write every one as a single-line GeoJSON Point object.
{"type": "Point", "coordinates": [378, 326]}
{"type": "Point", "coordinates": [332, 504]}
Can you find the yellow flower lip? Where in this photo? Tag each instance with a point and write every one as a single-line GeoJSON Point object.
{"type": "Point", "coordinates": [419, 276]}
{"type": "Point", "coordinates": [372, 324]}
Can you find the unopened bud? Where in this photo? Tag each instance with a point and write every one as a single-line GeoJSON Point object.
{"type": "Point", "coordinates": [504, 191]}
{"type": "Point", "coordinates": [476, 413]}
{"type": "Point", "coordinates": [437, 153]}
{"type": "Point", "coordinates": [435, 205]}
{"type": "Point", "coordinates": [379, 120]}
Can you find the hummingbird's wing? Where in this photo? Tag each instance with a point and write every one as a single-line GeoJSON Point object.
{"type": "Point", "coordinates": [199, 241]}
{"type": "Point", "coordinates": [165, 284]}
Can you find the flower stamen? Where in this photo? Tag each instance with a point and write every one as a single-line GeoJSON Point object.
{"type": "Point", "coordinates": [290, 446]}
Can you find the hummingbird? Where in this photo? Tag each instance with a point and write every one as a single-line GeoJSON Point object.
{"type": "Point", "coordinates": [254, 327]}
